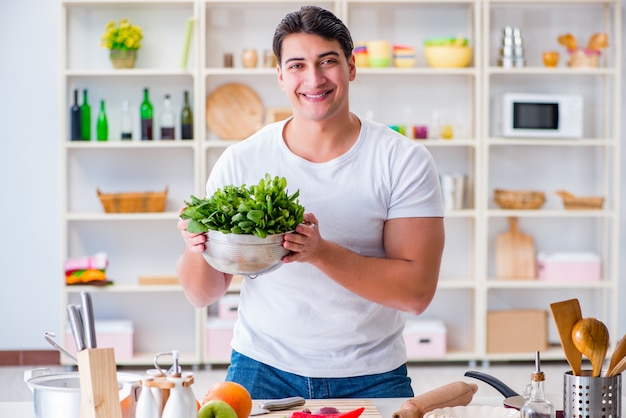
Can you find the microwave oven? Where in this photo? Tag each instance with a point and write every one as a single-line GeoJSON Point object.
{"type": "Point", "coordinates": [542, 115]}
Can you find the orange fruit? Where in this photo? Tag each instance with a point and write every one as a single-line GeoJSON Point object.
{"type": "Point", "coordinates": [233, 394]}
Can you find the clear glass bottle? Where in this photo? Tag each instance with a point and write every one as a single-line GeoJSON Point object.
{"type": "Point", "coordinates": [126, 123]}
{"type": "Point", "coordinates": [146, 112]}
{"type": "Point", "coordinates": [85, 118]}
{"type": "Point", "coordinates": [75, 119]}
{"type": "Point", "coordinates": [168, 129]}
{"type": "Point", "coordinates": [186, 119]}
{"type": "Point", "coordinates": [537, 405]}
{"type": "Point", "coordinates": [102, 125]}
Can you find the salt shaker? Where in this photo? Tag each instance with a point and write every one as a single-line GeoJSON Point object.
{"type": "Point", "coordinates": [146, 405]}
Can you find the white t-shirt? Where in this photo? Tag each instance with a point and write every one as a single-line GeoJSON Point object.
{"type": "Point", "coordinates": [296, 318]}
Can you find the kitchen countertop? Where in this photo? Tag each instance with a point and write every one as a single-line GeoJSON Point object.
{"type": "Point", "coordinates": [386, 406]}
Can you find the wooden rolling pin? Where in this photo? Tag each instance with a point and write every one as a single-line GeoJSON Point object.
{"type": "Point", "coordinates": [453, 394]}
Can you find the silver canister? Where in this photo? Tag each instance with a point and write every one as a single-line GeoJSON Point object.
{"type": "Point", "coordinates": [590, 397]}
{"type": "Point", "coordinates": [512, 49]}
{"type": "Point", "coordinates": [453, 190]}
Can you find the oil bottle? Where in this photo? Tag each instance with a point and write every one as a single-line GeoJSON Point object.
{"type": "Point", "coordinates": [537, 405]}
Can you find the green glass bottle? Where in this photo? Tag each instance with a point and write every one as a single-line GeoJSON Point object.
{"type": "Point", "coordinates": [85, 118]}
{"type": "Point", "coordinates": [146, 112]}
{"type": "Point", "coordinates": [102, 125]}
{"type": "Point", "coordinates": [186, 119]}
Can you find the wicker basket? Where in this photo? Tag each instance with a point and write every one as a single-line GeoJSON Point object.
{"type": "Point", "coordinates": [133, 202]}
{"type": "Point", "coordinates": [572, 202]}
{"type": "Point", "coordinates": [519, 199]}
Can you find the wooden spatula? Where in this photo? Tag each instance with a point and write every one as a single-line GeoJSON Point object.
{"type": "Point", "coordinates": [566, 314]}
{"type": "Point", "coordinates": [619, 353]}
{"type": "Point", "coordinates": [515, 254]}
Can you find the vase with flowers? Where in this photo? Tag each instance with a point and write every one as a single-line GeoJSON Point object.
{"type": "Point", "coordinates": [123, 40]}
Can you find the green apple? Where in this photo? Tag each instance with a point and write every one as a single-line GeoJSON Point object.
{"type": "Point", "coordinates": [216, 409]}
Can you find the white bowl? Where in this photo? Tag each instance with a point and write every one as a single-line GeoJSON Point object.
{"type": "Point", "coordinates": [473, 411]}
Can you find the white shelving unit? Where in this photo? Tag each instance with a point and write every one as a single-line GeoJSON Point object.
{"type": "Point", "coordinates": [148, 244]}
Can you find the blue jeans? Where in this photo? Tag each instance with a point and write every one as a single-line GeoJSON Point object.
{"type": "Point", "coordinates": [266, 382]}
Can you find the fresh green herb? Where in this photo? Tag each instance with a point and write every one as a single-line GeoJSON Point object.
{"type": "Point", "coordinates": [261, 210]}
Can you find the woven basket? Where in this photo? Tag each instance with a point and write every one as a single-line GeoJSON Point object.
{"type": "Point", "coordinates": [519, 199]}
{"type": "Point", "coordinates": [573, 202]}
{"type": "Point", "coordinates": [133, 202]}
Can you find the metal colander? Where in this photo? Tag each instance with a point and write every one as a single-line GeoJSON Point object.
{"type": "Point", "coordinates": [244, 254]}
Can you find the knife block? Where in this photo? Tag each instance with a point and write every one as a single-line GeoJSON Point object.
{"type": "Point", "coordinates": [99, 392]}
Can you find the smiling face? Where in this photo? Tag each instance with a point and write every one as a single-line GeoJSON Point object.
{"type": "Point", "coordinates": [315, 75]}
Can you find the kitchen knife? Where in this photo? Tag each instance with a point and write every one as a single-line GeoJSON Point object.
{"type": "Point", "coordinates": [88, 320]}
{"type": "Point", "coordinates": [277, 405]}
{"type": "Point", "coordinates": [76, 327]}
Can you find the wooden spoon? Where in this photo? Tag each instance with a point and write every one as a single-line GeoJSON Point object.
{"type": "Point", "coordinates": [565, 315]}
{"type": "Point", "coordinates": [591, 337]}
{"type": "Point", "coordinates": [619, 353]}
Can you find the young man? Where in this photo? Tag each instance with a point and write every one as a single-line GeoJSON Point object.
{"type": "Point", "coordinates": [328, 323]}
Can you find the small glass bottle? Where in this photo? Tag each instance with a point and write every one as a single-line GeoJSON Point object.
{"type": "Point", "coordinates": [186, 119]}
{"type": "Point", "coordinates": [102, 125]}
{"type": "Point", "coordinates": [168, 130]}
{"type": "Point", "coordinates": [126, 123]}
{"type": "Point", "coordinates": [146, 113]}
{"type": "Point", "coordinates": [537, 405]}
{"type": "Point", "coordinates": [75, 119]}
{"type": "Point", "coordinates": [85, 118]}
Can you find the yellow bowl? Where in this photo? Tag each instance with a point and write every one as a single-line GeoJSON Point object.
{"type": "Point", "coordinates": [448, 56]}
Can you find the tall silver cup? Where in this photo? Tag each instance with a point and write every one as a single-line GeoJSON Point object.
{"type": "Point", "coordinates": [453, 190]}
{"type": "Point", "coordinates": [585, 396]}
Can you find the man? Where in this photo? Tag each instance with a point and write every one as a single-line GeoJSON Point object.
{"type": "Point", "coordinates": [328, 323]}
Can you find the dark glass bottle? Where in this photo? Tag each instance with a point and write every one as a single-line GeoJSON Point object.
{"type": "Point", "coordinates": [85, 118]}
{"type": "Point", "coordinates": [168, 123]}
{"type": "Point", "coordinates": [102, 125]}
{"type": "Point", "coordinates": [147, 116]}
{"type": "Point", "coordinates": [186, 119]}
{"type": "Point", "coordinates": [75, 119]}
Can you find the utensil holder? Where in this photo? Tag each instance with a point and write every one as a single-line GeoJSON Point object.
{"type": "Point", "coordinates": [591, 397]}
{"type": "Point", "coordinates": [99, 391]}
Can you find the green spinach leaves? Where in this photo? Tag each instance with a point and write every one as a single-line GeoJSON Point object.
{"type": "Point", "coordinates": [260, 210]}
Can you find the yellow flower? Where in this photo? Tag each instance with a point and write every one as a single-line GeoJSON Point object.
{"type": "Point", "coordinates": [124, 36]}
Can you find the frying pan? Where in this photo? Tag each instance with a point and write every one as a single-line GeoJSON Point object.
{"type": "Point", "coordinates": [512, 399]}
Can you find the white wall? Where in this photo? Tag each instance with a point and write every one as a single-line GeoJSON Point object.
{"type": "Point", "coordinates": [30, 265]}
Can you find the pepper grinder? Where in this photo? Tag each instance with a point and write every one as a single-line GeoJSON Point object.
{"type": "Point", "coordinates": [537, 405]}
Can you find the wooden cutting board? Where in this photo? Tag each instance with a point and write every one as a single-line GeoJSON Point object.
{"type": "Point", "coordinates": [234, 111]}
{"type": "Point", "coordinates": [343, 405]}
{"type": "Point", "coordinates": [515, 254]}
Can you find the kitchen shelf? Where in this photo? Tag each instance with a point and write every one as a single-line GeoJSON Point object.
{"type": "Point", "coordinates": [149, 242]}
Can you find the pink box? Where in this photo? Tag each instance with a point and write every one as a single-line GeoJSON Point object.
{"type": "Point", "coordinates": [425, 338]}
{"type": "Point", "coordinates": [227, 306]}
{"type": "Point", "coordinates": [568, 266]}
{"type": "Point", "coordinates": [219, 334]}
{"type": "Point", "coordinates": [115, 334]}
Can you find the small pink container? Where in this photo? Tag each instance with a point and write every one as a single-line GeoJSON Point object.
{"type": "Point", "coordinates": [227, 307]}
{"type": "Point", "coordinates": [219, 334]}
{"type": "Point", "coordinates": [425, 339]}
{"type": "Point", "coordinates": [115, 334]}
{"type": "Point", "coordinates": [568, 266]}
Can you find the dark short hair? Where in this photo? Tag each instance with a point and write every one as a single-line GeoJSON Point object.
{"type": "Point", "coordinates": [313, 20]}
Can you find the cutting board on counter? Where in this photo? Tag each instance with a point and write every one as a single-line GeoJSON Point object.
{"type": "Point", "coordinates": [515, 253]}
{"type": "Point", "coordinates": [343, 405]}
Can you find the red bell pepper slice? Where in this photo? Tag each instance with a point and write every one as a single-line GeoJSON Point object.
{"type": "Point", "coordinates": [350, 414]}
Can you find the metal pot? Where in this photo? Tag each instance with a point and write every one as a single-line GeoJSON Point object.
{"type": "Point", "coordinates": [58, 395]}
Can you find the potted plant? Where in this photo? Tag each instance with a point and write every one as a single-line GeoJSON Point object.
{"type": "Point", "coordinates": [123, 41]}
